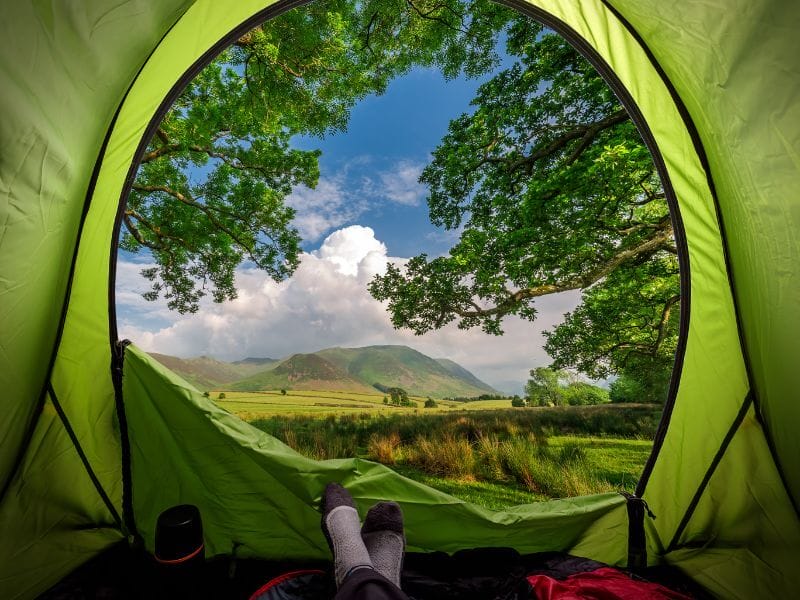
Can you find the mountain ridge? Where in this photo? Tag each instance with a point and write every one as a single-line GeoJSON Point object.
{"type": "Point", "coordinates": [362, 369]}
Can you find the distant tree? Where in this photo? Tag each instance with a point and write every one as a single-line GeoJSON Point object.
{"type": "Point", "coordinates": [517, 402]}
{"type": "Point", "coordinates": [283, 392]}
{"type": "Point", "coordinates": [399, 396]}
{"type": "Point", "coordinates": [385, 400]}
{"type": "Point", "coordinates": [206, 394]}
{"type": "Point", "coordinates": [430, 403]}
{"type": "Point", "coordinates": [221, 396]}
{"type": "Point", "coordinates": [544, 387]}
{"type": "Point", "coordinates": [578, 393]}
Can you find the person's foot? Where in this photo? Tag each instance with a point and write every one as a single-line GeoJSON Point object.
{"type": "Point", "coordinates": [340, 524]}
{"type": "Point", "coordinates": [383, 536]}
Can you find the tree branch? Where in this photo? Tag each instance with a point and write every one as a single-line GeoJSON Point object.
{"type": "Point", "coordinates": [586, 133]}
{"type": "Point", "coordinates": [662, 323]}
{"type": "Point", "coordinates": [205, 209]}
{"type": "Point", "coordinates": [659, 241]}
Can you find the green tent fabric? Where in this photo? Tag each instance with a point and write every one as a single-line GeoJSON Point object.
{"type": "Point", "coordinates": [97, 439]}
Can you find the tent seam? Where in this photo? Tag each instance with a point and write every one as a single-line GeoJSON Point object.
{"type": "Point", "coordinates": [84, 459]}
{"type": "Point", "coordinates": [748, 401]}
{"type": "Point", "coordinates": [87, 202]}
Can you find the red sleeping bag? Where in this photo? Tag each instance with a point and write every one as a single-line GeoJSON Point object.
{"type": "Point", "coordinates": [605, 583]}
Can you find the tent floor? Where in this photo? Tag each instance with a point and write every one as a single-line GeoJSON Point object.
{"type": "Point", "coordinates": [124, 574]}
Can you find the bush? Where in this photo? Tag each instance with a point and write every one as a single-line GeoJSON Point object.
{"type": "Point", "coordinates": [206, 394]}
{"type": "Point", "coordinates": [384, 449]}
{"type": "Point", "coordinates": [430, 403]}
{"type": "Point", "coordinates": [580, 393]}
{"type": "Point", "coordinates": [449, 456]}
{"type": "Point", "coordinates": [283, 392]}
{"type": "Point", "coordinates": [221, 396]}
{"type": "Point", "coordinates": [517, 402]}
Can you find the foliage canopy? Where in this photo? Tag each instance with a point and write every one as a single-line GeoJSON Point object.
{"type": "Point", "coordinates": [551, 189]}
{"type": "Point", "coordinates": [212, 186]}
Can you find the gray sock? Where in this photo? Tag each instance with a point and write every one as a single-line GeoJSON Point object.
{"type": "Point", "coordinates": [383, 536]}
{"type": "Point", "coordinates": [340, 524]}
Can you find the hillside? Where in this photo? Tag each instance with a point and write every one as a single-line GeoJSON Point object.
{"type": "Point", "coordinates": [456, 370]}
{"type": "Point", "coordinates": [343, 369]}
{"type": "Point", "coordinates": [401, 366]}
{"type": "Point", "coordinates": [302, 372]}
{"type": "Point", "coordinates": [255, 364]}
{"type": "Point", "coordinates": [203, 372]}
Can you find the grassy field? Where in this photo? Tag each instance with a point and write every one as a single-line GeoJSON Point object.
{"type": "Point", "coordinates": [254, 405]}
{"type": "Point", "coordinates": [483, 451]}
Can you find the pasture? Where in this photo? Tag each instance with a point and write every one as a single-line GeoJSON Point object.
{"type": "Point", "coordinates": [483, 451]}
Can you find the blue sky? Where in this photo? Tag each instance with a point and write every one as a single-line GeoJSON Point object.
{"type": "Point", "coordinates": [394, 134]}
{"type": "Point", "coordinates": [368, 209]}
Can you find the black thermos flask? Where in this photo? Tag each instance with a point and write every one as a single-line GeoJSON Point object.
{"type": "Point", "coordinates": [180, 553]}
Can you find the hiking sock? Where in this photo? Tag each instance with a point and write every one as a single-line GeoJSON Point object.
{"type": "Point", "coordinates": [340, 524]}
{"type": "Point", "coordinates": [383, 536]}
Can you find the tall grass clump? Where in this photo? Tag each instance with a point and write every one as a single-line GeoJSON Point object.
{"type": "Point", "coordinates": [384, 448]}
{"type": "Point", "coordinates": [556, 473]}
{"type": "Point", "coordinates": [448, 456]}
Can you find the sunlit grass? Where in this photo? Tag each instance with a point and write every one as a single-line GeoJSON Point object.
{"type": "Point", "coordinates": [495, 458]}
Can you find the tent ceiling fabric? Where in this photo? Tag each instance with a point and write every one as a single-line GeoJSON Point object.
{"type": "Point", "coordinates": [83, 80]}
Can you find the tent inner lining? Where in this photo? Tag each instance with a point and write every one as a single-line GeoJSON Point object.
{"type": "Point", "coordinates": [84, 460]}
{"type": "Point", "coordinates": [748, 400]}
{"type": "Point", "coordinates": [704, 162]}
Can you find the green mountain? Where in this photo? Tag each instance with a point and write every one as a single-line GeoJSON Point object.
{"type": "Point", "coordinates": [203, 372]}
{"type": "Point", "coordinates": [302, 372]}
{"type": "Point", "coordinates": [365, 369]}
{"type": "Point", "coordinates": [461, 373]}
{"type": "Point", "coordinates": [255, 364]}
{"type": "Point", "coordinates": [401, 366]}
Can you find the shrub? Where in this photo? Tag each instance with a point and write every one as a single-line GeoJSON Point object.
{"type": "Point", "coordinates": [430, 403]}
{"type": "Point", "coordinates": [384, 449]}
{"type": "Point", "coordinates": [221, 396]}
{"type": "Point", "coordinates": [517, 402]}
{"type": "Point", "coordinates": [448, 456]}
{"type": "Point", "coordinates": [206, 394]}
{"type": "Point", "coordinates": [283, 392]}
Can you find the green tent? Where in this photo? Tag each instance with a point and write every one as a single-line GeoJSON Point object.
{"type": "Point", "coordinates": [97, 438]}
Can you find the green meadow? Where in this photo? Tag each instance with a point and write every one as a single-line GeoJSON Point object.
{"type": "Point", "coordinates": [482, 451]}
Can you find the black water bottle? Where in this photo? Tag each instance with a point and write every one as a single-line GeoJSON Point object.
{"type": "Point", "coordinates": [180, 553]}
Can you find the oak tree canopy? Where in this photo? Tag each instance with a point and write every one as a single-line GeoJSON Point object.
{"type": "Point", "coordinates": [210, 192]}
{"type": "Point", "coordinates": [551, 189]}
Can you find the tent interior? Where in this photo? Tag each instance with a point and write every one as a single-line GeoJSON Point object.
{"type": "Point", "coordinates": [98, 438]}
